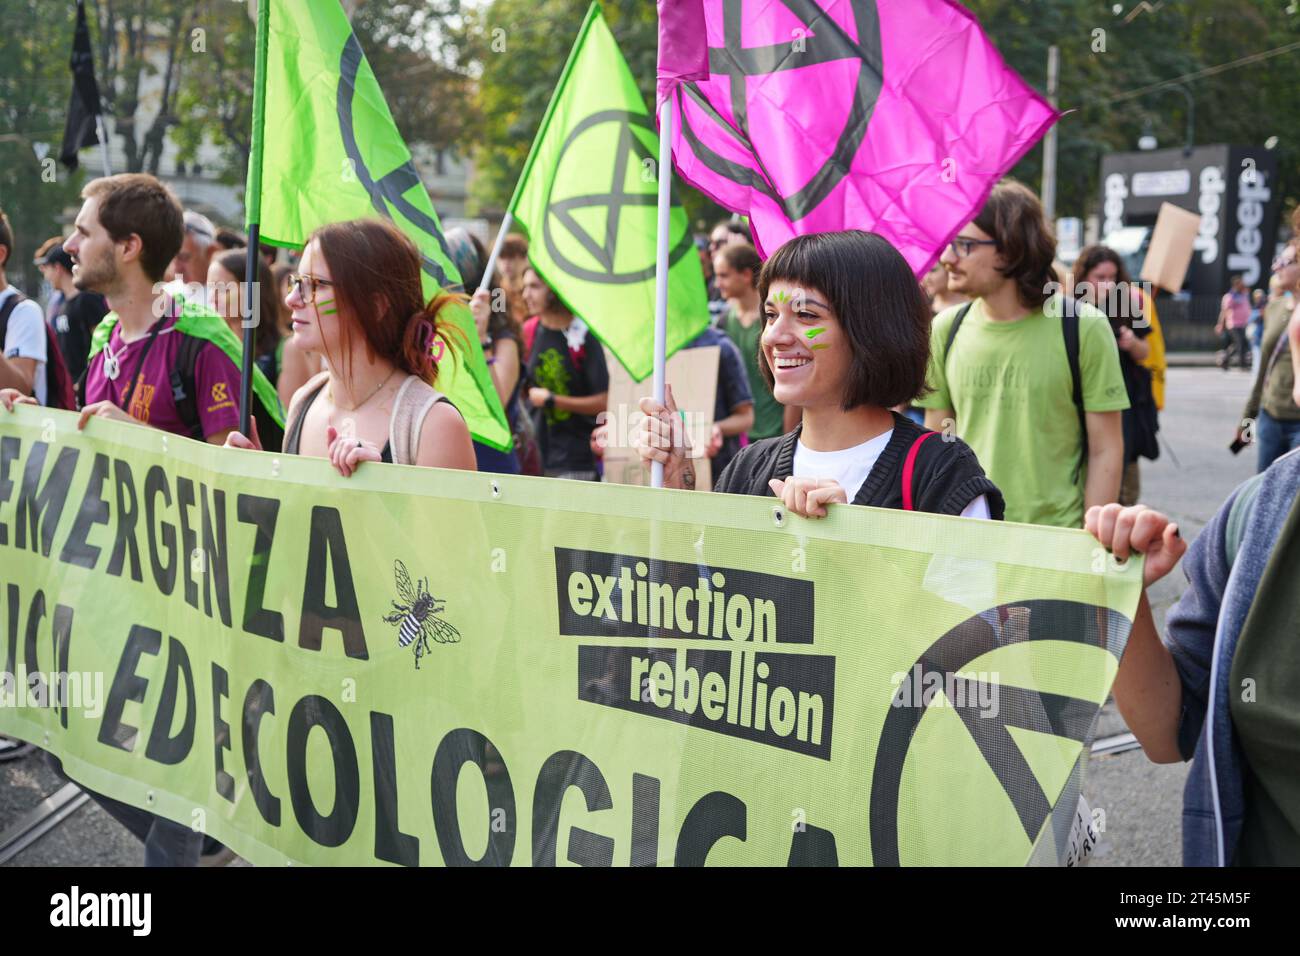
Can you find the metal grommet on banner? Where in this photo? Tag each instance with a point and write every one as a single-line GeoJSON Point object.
{"type": "Point", "coordinates": [778, 516]}
{"type": "Point", "coordinates": [164, 442]}
{"type": "Point", "coordinates": [275, 467]}
{"type": "Point", "coordinates": [148, 797]}
{"type": "Point", "coordinates": [47, 738]}
{"type": "Point", "coordinates": [496, 490]}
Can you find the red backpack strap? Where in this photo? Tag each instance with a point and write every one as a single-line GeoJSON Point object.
{"type": "Point", "coordinates": [909, 466]}
{"type": "Point", "coordinates": [530, 333]}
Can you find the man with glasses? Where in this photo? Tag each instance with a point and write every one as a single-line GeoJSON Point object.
{"type": "Point", "coordinates": [157, 360]}
{"type": "Point", "coordinates": [1272, 404]}
{"type": "Point", "coordinates": [1030, 381]}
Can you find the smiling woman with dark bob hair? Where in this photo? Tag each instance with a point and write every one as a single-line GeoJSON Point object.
{"type": "Point", "coordinates": [846, 338]}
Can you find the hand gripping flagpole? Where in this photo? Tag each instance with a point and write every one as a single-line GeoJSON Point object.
{"type": "Point", "coordinates": [661, 264]}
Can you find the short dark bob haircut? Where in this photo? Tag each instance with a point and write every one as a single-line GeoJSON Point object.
{"type": "Point", "coordinates": [877, 300]}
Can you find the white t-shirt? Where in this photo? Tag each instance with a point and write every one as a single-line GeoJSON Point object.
{"type": "Point", "coordinates": [849, 467]}
{"type": "Point", "coordinates": [25, 337]}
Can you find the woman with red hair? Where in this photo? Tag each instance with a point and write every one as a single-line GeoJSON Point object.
{"type": "Point", "coordinates": [357, 300]}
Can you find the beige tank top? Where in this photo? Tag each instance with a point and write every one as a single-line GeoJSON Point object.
{"type": "Point", "coordinates": [414, 400]}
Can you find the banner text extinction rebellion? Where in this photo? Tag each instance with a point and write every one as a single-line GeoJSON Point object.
{"type": "Point", "coordinates": [783, 700]}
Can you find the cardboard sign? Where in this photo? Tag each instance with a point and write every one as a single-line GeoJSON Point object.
{"type": "Point", "coordinates": [1171, 248]}
{"type": "Point", "coordinates": [693, 375]}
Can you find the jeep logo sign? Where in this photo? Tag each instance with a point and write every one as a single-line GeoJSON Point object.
{"type": "Point", "coordinates": [1234, 190]}
{"type": "Point", "coordinates": [1209, 204]}
{"type": "Point", "coordinates": [1253, 195]}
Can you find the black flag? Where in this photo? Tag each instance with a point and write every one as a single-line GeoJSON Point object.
{"type": "Point", "coordinates": [83, 105]}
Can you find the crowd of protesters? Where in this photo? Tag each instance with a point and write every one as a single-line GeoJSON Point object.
{"type": "Point", "coordinates": [997, 387]}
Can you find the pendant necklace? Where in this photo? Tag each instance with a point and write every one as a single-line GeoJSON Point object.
{"type": "Point", "coordinates": [112, 367]}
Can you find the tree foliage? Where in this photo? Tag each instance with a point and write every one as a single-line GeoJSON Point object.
{"type": "Point", "coordinates": [34, 86]}
{"type": "Point", "coordinates": [516, 49]}
{"type": "Point", "coordinates": [1103, 54]}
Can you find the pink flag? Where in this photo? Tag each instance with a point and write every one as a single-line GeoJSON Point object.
{"type": "Point", "coordinates": [894, 116]}
{"type": "Point", "coordinates": [683, 51]}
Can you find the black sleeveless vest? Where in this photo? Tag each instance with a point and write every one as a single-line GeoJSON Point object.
{"type": "Point", "coordinates": [946, 477]}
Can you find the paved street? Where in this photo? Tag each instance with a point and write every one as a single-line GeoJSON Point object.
{"type": "Point", "coordinates": [1141, 800]}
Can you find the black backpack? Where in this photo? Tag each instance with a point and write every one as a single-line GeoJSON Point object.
{"type": "Point", "coordinates": [185, 392]}
{"type": "Point", "coordinates": [1070, 331]}
{"type": "Point", "coordinates": [59, 390]}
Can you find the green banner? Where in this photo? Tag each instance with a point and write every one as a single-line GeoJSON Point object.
{"type": "Point", "coordinates": [327, 150]}
{"type": "Point", "coordinates": [588, 197]}
{"type": "Point", "coordinates": [435, 667]}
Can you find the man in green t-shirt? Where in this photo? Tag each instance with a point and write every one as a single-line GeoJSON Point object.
{"type": "Point", "coordinates": [735, 269]}
{"type": "Point", "coordinates": [1006, 387]}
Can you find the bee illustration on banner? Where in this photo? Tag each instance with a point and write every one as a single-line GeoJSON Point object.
{"type": "Point", "coordinates": [417, 618]}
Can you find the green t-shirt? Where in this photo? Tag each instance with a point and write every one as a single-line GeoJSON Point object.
{"type": "Point", "coordinates": [1264, 701]}
{"type": "Point", "coordinates": [1009, 384]}
{"type": "Point", "coordinates": [769, 414]}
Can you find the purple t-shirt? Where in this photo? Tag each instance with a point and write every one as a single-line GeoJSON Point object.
{"type": "Point", "coordinates": [216, 380]}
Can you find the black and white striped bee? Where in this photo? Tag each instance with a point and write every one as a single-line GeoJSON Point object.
{"type": "Point", "coordinates": [417, 619]}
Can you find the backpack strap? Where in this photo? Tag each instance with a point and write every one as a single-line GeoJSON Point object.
{"type": "Point", "coordinates": [184, 386]}
{"type": "Point", "coordinates": [1243, 506]}
{"type": "Point", "coordinates": [1070, 332]}
{"type": "Point", "coordinates": [530, 333]}
{"type": "Point", "coordinates": [952, 333]}
{"type": "Point", "coordinates": [414, 400]}
{"type": "Point", "coordinates": [7, 310]}
{"type": "Point", "coordinates": [909, 467]}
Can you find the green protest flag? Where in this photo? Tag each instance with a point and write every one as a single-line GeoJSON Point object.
{"type": "Point", "coordinates": [325, 149]}
{"type": "Point", "coordinates": [302, 665]}
{"type": "Point", "coordinates": [588, 196]}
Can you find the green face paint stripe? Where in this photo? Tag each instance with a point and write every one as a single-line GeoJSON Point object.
{"type": "Point", "coordinates": [324, 311]}
{"type": "Point", "coordinates": [820, 345]}
{"type": "Point", "coordinates": [813, 333]}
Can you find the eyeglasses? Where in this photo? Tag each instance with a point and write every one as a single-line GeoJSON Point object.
{"type": "Point", "coordinates": [307, 286]}
{"type": "Point", "coordinates": [962, 247]}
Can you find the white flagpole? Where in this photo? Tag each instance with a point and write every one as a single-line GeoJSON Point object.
{"type": "Point", "coordinates": [103, 142]}
{"type": "Point", "coordinates": [506, 222]}
{"type": "Point", "coordinates": [661, 264]}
